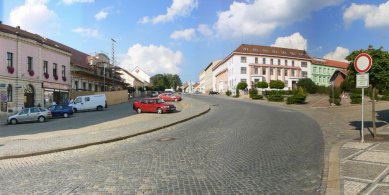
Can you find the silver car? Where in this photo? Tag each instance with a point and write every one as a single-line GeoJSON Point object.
{"type": "Point", "coordinates": [30, 114]}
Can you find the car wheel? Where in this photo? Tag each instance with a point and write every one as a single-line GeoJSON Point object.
{"type": "Point", "coordinates": [99, 108]}
{"type": "Point", "coordinates": [139, 110]}
{"type": "Point", "coordinates": [66, 115]}
{"type": "Point", "coordinates": [159, 111]}
{"type": "Point", "coordinates": [41, 119]}
{"type": "Point", "coordinates": [14, 121]}
{"type": "Point", "coordinates": [74, 109]}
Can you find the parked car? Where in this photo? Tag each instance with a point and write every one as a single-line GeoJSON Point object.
{"type": "Point", "coordinates": [213, 93]}
{"type": "Point", "coordinates": [61, 110]}
{"type": "Point", "coordinates": [153, 105]}
{"type": "Point", "coordinates": [89, 102]}
{"type": "Point", "coordinates": [30, 114]}
{"type": "Point", "coordinates": [169, 97]}
{"type": "Point", "coordinates": [154, 94]}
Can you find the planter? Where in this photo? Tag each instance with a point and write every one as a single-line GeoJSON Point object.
{"type": "Point", "coordinates": [56, 77]}
{"type": "Point", "coordinates": [31, 72]}
{"type": "Point", "coordinates": [46, 75]}
{"type": "Point", "coordinates": [10, 69]}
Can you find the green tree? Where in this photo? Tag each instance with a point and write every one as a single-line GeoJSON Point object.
{"type": "Point", "coordinates": [378, 74]}
{"type": "Point", "coordinates": [262, 84]}
{"type": "Point", "coordinates": [242, 85]}
{"type": "Point", "coordinates": [308, 85]}
{"type": "Point", "coordinates": [165, 81]}
{"type": "Point", "coordinates": [276, 84]}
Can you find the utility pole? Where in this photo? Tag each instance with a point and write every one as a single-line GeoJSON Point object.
{"type": "Point", "coordinates": [113, 63]}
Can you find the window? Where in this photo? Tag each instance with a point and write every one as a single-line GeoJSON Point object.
{"type": "Point", "coordinates": [292, 73]}
{"type": "Point", "coordinates": [243, 80]}
{"type": "Point", "coordinates": [245, 49]}
{"type": "Point", "coordinates": [279, 62]}
{"type": "Point", "coordinates": [304, 74]}
{"type": "Point", "coordinates": [101, 71]}
{"type": "Point", "coordinates": [264, 61]}
{"type": "Point", "coordinates": [243, 59]}
{"type": "Point", "coordinates": [292, 62]}
{"type": "Point", "coordinates": [263, 71]}
{"type": "Point", "coordinates": [271, 61]}
{"type": "Point", "coordinates": [286, 72]}
{"type": "Point", "coordinates": [242, 70]}
{"type": "Point", "coordinates": [304, 64]}
{"type": "Point", "coordinates": [29, 63]}
{"type": "Point", "coordinates": [84, 86]}
{"type": "Point", "coordinates": [45, 67]}
{"type": "Point", "coordinates": [314, 70]}
{"type": "Point", "coordinates": [255, 70]}
{"type": "Point", "coordinates": [271, 71]}
{"type": "Point", "coordinates": [34, 110]}
{"type": "Point", "coordinates": [90, 87]}
{"type": "Point", "coordinates": [286, 62]}
{"type": "Point", "coordinates": [87, 99]}
{"type": "Point", "coordinates": [55, 69]}
{"type": "Point", "coordinates": [256, 80]}
{"type": "Point", "coordinates": [279, 72]}
{"type": "Point", "coordinates": [256, 60]}
{"type": "Point", "coordinates": [24, 111]}
{"type": "Point", "coordinates": [9, 93]}
{"type": "Point", "coordinates": [9, 59]}
{"type": "Point", "coordinates": [63, 71]}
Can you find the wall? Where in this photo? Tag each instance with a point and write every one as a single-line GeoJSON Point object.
{"type": "Point", "coordinates": [113, 97]}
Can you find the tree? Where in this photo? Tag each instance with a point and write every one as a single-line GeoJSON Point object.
{"type": "Point", "coordinates": [378, 74]}
{"type": "Point", "coordinates": [276, 84]}
{"type": "Point", "coordinates": [308, 85]}
{"type": "Point", "coordinates": [165, 81]}
{"type": "Point", "coordinates": [242, 85]}
{"type": "Point", "coordinates": [262, 84]}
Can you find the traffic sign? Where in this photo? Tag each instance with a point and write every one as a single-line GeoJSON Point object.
{"type": "Point", "coordinates": [363, 80]}
{"type": "Point", "coordinates": [363, 62]}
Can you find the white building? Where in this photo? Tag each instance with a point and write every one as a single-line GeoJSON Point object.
{"type": "Point", "coordinates": [130, 78]}
{"type": "Point", "coordinates": [205, 77]}
{"type": "Point", "coordinates": [141, 75]}
{"type": "Point", "coordinates": [254, 63]}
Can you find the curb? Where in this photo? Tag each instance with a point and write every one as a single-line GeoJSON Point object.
{"type": "Point", "coordinates": [104, 141]}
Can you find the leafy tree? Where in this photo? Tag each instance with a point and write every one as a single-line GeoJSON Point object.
{"type": "Point", "coordinates": [308, 85]}
{"type": "Point", "coordinates": [276, 84]}
{"type": "Point", "coordinates": [262, 84]}
{"type": "Point", "coordinates": [165, 81]}
{"type": "Point", "coordinates": [378, 74]}
{"type": "Point", "coordinates": [242, 85]}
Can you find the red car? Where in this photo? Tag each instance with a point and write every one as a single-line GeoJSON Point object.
{"type": "Point", "coordinates": [153, 105]}
{"type": "Point", "coordinates": [169, 97]}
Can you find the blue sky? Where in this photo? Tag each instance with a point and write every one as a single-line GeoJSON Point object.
{"type": "Point", "coordinates": [184, 36]}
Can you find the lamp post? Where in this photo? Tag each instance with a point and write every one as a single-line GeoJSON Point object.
{"type": "Point", "coordinates": [104, 76]}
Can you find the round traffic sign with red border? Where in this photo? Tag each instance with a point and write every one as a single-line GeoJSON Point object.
{"type": "Point", "coordinates": [363, 62]}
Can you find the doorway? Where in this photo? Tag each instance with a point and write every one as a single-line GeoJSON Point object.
{"type": "Point", "coordinates": [29, 96]}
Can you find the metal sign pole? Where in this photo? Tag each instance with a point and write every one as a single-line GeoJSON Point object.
{"type": "Point", "coordinates": [362, 134]}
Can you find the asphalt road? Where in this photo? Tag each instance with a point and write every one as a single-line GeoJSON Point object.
{"type": "Point", "coordinates": [236, 148]}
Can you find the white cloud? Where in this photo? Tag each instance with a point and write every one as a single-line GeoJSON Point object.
{"type": "Point", "coordinates": [34, 16]}
{"type": "Point", "coordinates": [153, 59]}
{"type": "Point", "coordinates": [373, 16]}
{"type": "Point", "coordinates": [101, 15]}
{"type": "Point", "coordinates": [205, 30]}
{"type": "Point", "coordinates": [261, 17]}
{"type": "Point", "coordinates": [339, 54]}
{"type": "Point", "coordinates": [178, 8]}
{"type": "Point", "coordinates": [186, 34]}
{"type": "Point", "coordinates": [87, 32]}
{"type": "Point", "coordinates": [294, 41]}
{"type": "Point", "coordinates": [70, 2]}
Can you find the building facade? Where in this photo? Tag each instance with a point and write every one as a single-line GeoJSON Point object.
{"type": "Point", "coordinates": [323, 69]}
{"type": "Point", "coordinates": [35, 72]}
{"type": "Point", "coordinates": [254, 63]}
{"type": "Point", "coordinates": [205, 77]}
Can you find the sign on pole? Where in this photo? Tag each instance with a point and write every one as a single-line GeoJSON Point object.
{"type": "Point", "coordinates": [362, 64]}
{"type": "Point", "coordinates": [363, 80]}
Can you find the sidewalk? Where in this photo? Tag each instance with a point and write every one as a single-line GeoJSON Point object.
{"type": "Point", "coordinates": [49, 142]}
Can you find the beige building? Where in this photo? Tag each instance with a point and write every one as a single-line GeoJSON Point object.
{"type": "Point", "coordinates": [205, 77]}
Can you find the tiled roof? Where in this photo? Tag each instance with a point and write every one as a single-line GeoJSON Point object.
{"type": "Point", "coordinates": [25, 34]}
{"type": "Point", "coordinates": [331, 63]}
{"type": "Point", "coordinates": [267, 51]}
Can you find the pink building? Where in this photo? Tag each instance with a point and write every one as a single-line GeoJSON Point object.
{"type": "Point", "coordinates": [35, 70]}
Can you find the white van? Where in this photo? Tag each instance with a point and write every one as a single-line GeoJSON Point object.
{"type": "Point", "coordinates": [89, 102]}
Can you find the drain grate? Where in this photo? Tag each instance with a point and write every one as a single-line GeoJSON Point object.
{"type": "Point", "coordinates": [164, 139]}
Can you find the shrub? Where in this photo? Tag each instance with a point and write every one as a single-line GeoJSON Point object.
{"type": "Point", "coordinates": [336, 101]}
{"type": "Point", "coordinates": [253, 92]}
{"type": "Point", "coordinates": [356, 98]}
{"type": "Point", "coordinates": [385, 92]}
{"type": "Point", "coordinates": [237, 93]}
{"type": "Point", "coordinates": [385, 98]}
{"type": "Point", "coordinates": [228, 93]}
{"type": "Point", "coordinates": [308, 85]}
{"type": "Point", "coordinates": [262, 84]}
{"type": "Point", "coordinates": [276, 84]}
{"type": "Point", "coordinates": [275, 98]}
{"type": "Point", "coordinates": [298, 97]}
{"type": "Point", "coordinates": [334, 97]}
{"type": "Point", "coordinates": [257, 97]}
{"type": "Point", "coordinates": [241, 85]}
{"type": "Point", "coordinates": [322, 89]}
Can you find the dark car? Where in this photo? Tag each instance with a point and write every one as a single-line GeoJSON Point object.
{"type": "Point", "coordinates": [61, 110]}
{"type": "Point", "coordinates": [153, 105]}
{"type": "Point", "coordinates": [213, 93]}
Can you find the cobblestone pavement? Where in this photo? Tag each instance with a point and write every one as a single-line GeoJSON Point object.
{"type": "Point", "coordinates": [250, 153]}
